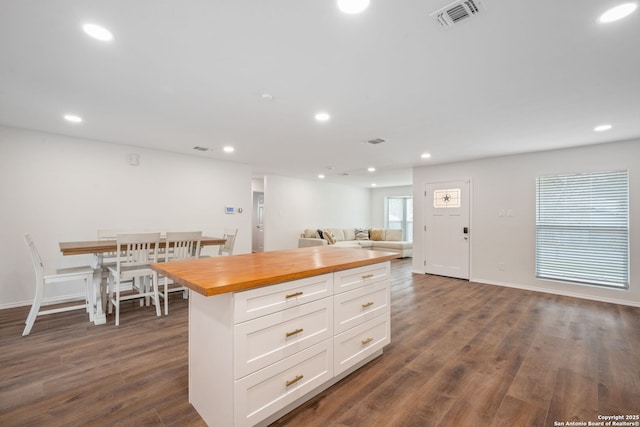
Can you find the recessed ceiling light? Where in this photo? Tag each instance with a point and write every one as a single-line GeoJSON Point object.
{"type": "Point", "coordinates": [321, 175]}
{"type": "Point", "coordinates": [352, 7]}
{"type": "Point", "coordinates": [602, 128]}
{"type": "Point", "coordinates": [267, 96]}
{"type": "Point", "coordinates": [322, 117]}
{"type": "Point", "coordinates": [425, 155]}
{"type": "Point", "coordinates": [98, 32]}
{"type": "Point", "coordinates": [228, 149]}
{"type": "Point", "coordinates": [73, 118]}
{"type": "Point", "coordinates": [618, 12]}
{"type": "Point", "coordinates": [372, 169]}
{"type": "Point", "coordinates": [373, 184]}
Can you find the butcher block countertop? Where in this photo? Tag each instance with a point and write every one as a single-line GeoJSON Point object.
{"type": "Point", "coordinates": [222, 274]}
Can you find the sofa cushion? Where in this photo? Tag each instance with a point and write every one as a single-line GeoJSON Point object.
{"type": "Point", "coordinates": [311, 234]}
{"type": "Point", "coordinates": [328, 236]}
{"type": "Point", "coordinates": [349, 234]}
{"type": "Point", "coordinates": [348, 244]}
{"type": "Point", "coordinates": [362, 233]}
{"type": "Point", "coordinates": [393, 235]}
{"type": "Point", "coordinates": [366, 244]}
{"type": "Point", "coordinates": [376, 234]}
{"type": "Point", "coordinates": [385, 244]}
{"type": "Point", "coordinates": [337, 233]}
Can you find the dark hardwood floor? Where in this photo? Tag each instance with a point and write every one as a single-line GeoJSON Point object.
{"type": "Point", "coordinates": [462, 354]}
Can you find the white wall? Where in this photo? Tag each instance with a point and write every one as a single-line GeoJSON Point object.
{"type": "Point", "coordinates": [64, 189]}
{"type": "Point", "coordinates": [378, 196]}
{"type": "Point", "coordinates": [505, 183]}
{"type": "Point", "coordinates": [291, 205]}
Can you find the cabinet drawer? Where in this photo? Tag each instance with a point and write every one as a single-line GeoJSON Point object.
{"type": "Point", "coordinates": [266, 391]}
{"type": "Point", "coordinates": [265, 340]}
{"type": "Point", "coordinates": [270, 299]}
{"type": "Point", "coordinates": [361, 304]}
{"type": "Point", "coordinates": [361, 341]}
{"type": "Point", "coordinates": [360, 276]}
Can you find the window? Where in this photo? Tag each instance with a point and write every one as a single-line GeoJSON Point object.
{"type": "Point", "coordinates": [582, 228]}
{"type": "Point", "coordinates": [400, 215]}
{"type": "Point", "coordinates": [449, 198]}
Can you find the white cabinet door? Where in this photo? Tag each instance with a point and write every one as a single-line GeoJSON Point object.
{"type": "Point", "coordinates": [360, 305]}
{"type": "Point", "coordinates": [268, 390]}
{"type": "Point", "coordinates": [270, 299]}
{"type": "Point", "coordinates": [361, 341]}
{"type": "Point", "coordinates": [260, 342]}
{"type": "Point", "coordinates": [360, 276]}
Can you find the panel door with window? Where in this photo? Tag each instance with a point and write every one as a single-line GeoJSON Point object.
{"type": "Point", "coordinates": [447, 231]}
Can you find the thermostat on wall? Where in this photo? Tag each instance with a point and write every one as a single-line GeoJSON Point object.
{"type": "Point", "coordinates": [229, 210]}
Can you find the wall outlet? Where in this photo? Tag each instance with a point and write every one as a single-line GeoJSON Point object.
{"type": "Point", "coordinates": [501, 266]}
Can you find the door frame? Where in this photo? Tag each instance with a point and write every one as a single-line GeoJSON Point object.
{"type": "Point", "coordinates": [424, 216]}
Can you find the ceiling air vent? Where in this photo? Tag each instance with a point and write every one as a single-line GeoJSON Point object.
{"type": "Point", "coordinates": [376, 141]}
{"type": "Point", "coordinates": [201, 148]}
{"type": "Point", "coordinates": [457, 11]}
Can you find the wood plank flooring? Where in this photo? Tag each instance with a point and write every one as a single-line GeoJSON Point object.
{"type": "Point", "coordinates": [462, 354]}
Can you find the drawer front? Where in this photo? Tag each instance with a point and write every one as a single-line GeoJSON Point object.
{"type": "Point", "coordinates": [270, 299]}
{"type": "Point", "coordinates": [361, 341]}
{"type": "Point", "coordinates": [268, 339]}
{"type": "Point", "coordinates": [361, 304]}
{"type": "Point", "coordinates": [356, 277]}
{"type": "Point", "coordinates": [266, 391]}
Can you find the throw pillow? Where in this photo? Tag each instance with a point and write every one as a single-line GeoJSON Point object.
{"type": "Point", "coordinates": [376, 234]}
{"type": "Point", "coordinates": [320, 233]}
{"type": "Point", "coordinates": [349, 234]}
{"type": "Point", "coordinates": [328, 236]}
{"type": "Point", "coordinates": [309, 233]}
{"type": "Point", "coordinates": [393, 235]}
{"type": "Point", "coordinates": [362, 234]}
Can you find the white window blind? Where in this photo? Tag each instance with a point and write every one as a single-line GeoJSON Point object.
{"type": "Point", "coordinates": [582, 228]}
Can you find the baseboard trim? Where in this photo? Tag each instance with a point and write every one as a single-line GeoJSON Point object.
{"type": "Point", "coordinates": [556, 292]}
{"type": "Point", "coordinates": [55, 300]}
{"type": "Point", "coordinates": [45, 301]}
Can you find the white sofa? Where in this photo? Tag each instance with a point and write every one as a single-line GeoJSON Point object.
{"type": "Point", "coordinates": [377, 239]}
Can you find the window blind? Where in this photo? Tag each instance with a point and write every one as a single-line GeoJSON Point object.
{"type": "Point", "coordinates": [582, 228]}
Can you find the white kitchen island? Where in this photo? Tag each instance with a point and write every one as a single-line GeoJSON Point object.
{"type": "Point", "coordinates": [268, 331]}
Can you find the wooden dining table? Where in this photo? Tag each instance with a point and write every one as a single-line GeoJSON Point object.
{"type": "Point", "coordinates": [98, 248]}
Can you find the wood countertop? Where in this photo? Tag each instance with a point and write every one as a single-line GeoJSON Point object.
{"type": "Point", "coordinates": [222, 274]}
{"type": "Point", "coordinates": [101, 246]}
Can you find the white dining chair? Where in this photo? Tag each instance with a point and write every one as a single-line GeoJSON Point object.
{"type": "Point", "coordinates": [230, 237]}
{"type": "Point", "coordinates": [137, 252]}
{"type": "Point", "coordinates": [179, 246]}
{"type": "Point", "coordinates": [46, 278]}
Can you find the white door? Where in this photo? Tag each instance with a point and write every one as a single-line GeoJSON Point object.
{"type": "Point", "coordinates": [447, 232]}
{"type": "Point", "coordinates": [257, 236]}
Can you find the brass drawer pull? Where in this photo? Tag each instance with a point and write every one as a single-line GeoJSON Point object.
{"type": "Point", "coordinates": [295, 294]}
{"type": "Point", "coordinates": [295, 380]}
{"type": "Point", "coordinates": [367, 341]}
{"type": "Point", "coordinates": [367, 276]}
{"type": "Point", "coordinates": [367, 304]}
{"type": "Point", "coordinates": [297, 331]}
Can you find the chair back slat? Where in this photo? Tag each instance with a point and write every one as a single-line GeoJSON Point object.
{"type": "Point", "coordinates": [230, 237]}
{"type": "Point", "coordinates": [182, 245]}
{"type": "Point", "coordinates": [137, 249]}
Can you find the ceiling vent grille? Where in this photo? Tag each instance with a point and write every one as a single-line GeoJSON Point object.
{"type": "Point", "coordinates": [376, 141]}
{"type": "Point", "coordinates": [201, 148]}
{"type": "Point", "coordinates": [457, 11]}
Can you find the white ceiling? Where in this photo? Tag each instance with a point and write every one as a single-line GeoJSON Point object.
{"type": "Point", "coordinates": [518, 77]}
